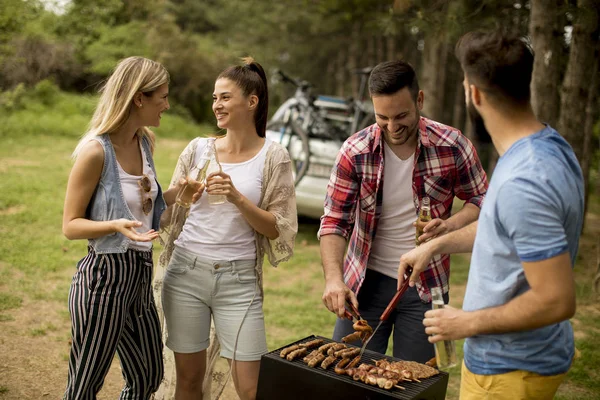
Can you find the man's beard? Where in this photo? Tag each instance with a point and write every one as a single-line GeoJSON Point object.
{"type": "Point", "coordinates": [479, 130]}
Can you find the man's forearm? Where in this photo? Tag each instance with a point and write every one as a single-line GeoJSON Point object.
{"type": "Point", "coordinates": [524, 312]}
{"type": "Point", "coordinates": [550, 299]}
{"type": "Point", "coordinates": [459, 241]}
{"type": "Point", "coordinates": [333, 248]}
{"type": "Point", "coordinates": [469, 213]}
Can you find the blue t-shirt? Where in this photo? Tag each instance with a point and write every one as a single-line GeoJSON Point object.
{"type": "Point", "coordinates": [533, 211]}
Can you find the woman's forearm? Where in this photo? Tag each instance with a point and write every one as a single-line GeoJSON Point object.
{"type": "Point", "coordinates": [82, 228]}
{"type": "Point", "coordinates": [171, 194]}
{"type": "Point", "coordinates": [262, 221]}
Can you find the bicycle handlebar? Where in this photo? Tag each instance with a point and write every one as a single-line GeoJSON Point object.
{"type": "Point", "coordinates": [298, 83]}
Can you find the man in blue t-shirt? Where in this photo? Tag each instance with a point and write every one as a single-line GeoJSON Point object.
{"type": "Point", "coordinates": [521, 291]}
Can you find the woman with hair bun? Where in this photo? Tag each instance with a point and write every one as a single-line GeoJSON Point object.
{"type": "Point", "coordinates": [214, 252]}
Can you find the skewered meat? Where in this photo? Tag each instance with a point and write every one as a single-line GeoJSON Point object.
{"type": "Point", "coordinates": [337, 347]}
{"type": "Point", "coordinates": [328, 361]}
{"type": "Point", "coordinates": [432, 363]}
{"type": "Point", "coordinates": [417, 370]}
{"type": "Point", "coordinates": [364, 336]}
{"type": "Point", "coordinates": [362, 326]}
{"type": "Point", "coordinates": [340, 368]}
{"type": "Point", "coordinates": [316, 360]}
{"type": "Point", "coordinates": [366, 367]}
{"type": "Point", "coordinates": [312, 354]}
{"type": "Point", "coordinates": [288, 350]}
{"type": "Point", "coordinates": [352, 337]}
{"type": "Point", "coordinates": [347, 353]}
{"type": "Point", "coordinates": [326, 347]}
{"type": "Point", "coordinates": [296, 353]}
{"type": "Point", "coordinates": [354, 362]}
{"type": "Point", "coordinates": [371, 376]}
{"type": "Point", "coordinates": [312, 344]}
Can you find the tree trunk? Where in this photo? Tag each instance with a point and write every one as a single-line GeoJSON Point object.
{"type": "Point", "coordinates": [380, 48]}
{"type": "Point", "coordinates": [330, 71]}
{"type": "Point", "coordinates": [576, 84]}
{"type": "Point", "coordinates": [353, 56]}
{"type": "Point", "coordinates": [391, 47]}
{"type": "Point", "coordinates": [458, 115]}
{"type": "Point", "coordinates": [340, 72]}
{"type": "Point", "coordinates": [372, 60]}
{"type": "Point", "coordinates": [433, 78]}
{"type": "Point", "coordinates": [592, 114]}
{"type": "Point", "coordinates": [546, 32]}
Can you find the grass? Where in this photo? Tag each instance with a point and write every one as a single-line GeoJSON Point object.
{"type": "Point", "coordinates": [36, 261]}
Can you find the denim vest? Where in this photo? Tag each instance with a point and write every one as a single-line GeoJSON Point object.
{"type": "Point", "coordinates": [107, 202]}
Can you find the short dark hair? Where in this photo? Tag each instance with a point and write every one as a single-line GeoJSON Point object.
{"type": "Point", "coordinates": [499, 64]}
{"type": "Point", "coordinates": [391, 76]}
{"type": "Point", "coordinates": [251, 78]}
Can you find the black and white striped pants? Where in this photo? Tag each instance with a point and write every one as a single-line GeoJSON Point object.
{"type": "Point", "coordinates": [112, 309]}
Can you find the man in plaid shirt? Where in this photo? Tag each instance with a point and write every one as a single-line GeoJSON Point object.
{"type": "Point", "coordinates": [418, 157]}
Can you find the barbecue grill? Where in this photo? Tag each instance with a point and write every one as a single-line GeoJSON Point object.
{"type": "Point", "coordinates": [280, 379]}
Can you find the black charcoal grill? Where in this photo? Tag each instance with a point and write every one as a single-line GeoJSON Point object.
{"type": "Point", "coordinates": [281, 379]}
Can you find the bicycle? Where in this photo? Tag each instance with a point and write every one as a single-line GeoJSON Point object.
{"type": "Point", "coordinates": [304, 116]}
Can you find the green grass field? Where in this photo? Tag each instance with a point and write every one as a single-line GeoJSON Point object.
{"type": "Point", "coordinates": [36, 260]}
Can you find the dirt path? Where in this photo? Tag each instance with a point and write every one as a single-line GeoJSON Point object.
{"type": "Point", "coordinates": [34, 354]}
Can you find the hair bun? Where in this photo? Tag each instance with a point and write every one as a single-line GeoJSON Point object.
{"type": "Point", "coordinates": [248, 61]}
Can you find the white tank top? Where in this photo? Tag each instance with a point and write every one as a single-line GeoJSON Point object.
{"type": "Point", "coordinates": [395, 233]}
{"type": "Point", "coordinates": [220, 231]}
{"type": "Point", "coordinates": [134, 197]}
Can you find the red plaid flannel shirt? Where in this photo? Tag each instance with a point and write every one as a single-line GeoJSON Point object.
{"type": "Point", "coordinates": [446, 165]}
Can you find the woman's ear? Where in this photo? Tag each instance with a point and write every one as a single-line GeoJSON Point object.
{"type": "Point", "coordinates": [253, 102]}
{"type": "Point", "coordinates": [137, 100]}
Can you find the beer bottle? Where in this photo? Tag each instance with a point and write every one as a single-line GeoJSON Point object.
{"type": "Point", "coordinates": [424, 216]}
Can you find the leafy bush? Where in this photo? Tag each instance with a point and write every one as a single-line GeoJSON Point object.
{"type": "Point", "coordinates": [45, 110]}
{"type": "Point", "coordinates": [46, 92]}
{"type": "Point", "coordinates": [11, 100]}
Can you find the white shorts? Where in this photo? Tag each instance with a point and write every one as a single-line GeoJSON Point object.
{"type": "Point", "coordinates": [195, 287]}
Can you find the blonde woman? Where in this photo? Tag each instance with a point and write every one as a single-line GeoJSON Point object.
{"type": "Point", "coordinates": [114, 200]}
{"type": "Point", "coordinates": [215, 255]}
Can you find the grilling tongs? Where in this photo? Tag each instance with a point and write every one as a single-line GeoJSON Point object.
{"type": "Point", "coordinates": [353, 313]}
{"type": "Point", "coordinates": [388, 310]}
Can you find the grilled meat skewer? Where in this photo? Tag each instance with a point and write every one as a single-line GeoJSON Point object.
{"type": "Point", "coordinates": [316, 360]}
{"type": "Point", "coordinates": [296, 353]}
{"type": "Point", "coordinates": [288, 350]}
{"type": "Point", "coordinates": [312, 344]}
{"type": "Point", "coordinates": [328, 361]}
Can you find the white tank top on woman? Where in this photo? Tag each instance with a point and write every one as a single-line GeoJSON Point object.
{"type": "Point", "coordinates": [220, 231]}
{"type": "Point", "coordinates": [132, 192]}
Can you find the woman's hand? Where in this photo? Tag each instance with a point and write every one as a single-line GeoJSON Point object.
{"type": "Point", "coordinates": [220, 183]}
{"type": "Point", "coordinates": [127, 228]}
{"type": "Point", "coordinates": [197, 185]}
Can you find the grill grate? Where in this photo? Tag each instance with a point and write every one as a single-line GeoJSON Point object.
{"type": "Point", "coordinates": [290, 380]}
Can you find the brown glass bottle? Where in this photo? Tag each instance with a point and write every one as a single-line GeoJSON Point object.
{"type": "Point", "coordinates": [424, 216]}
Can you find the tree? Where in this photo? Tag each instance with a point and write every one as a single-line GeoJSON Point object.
{"type": "Point", "coordinates": [590, 146]}
{"type": "Point", "coordinates": [578, 76]}
{"type": "Point", "coordinates": [546, 30]}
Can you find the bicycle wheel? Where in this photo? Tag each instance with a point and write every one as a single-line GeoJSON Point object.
{"type": "Point", "coordinates": [295, 140]}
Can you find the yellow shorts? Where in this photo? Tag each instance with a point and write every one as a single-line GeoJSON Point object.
{"type": "Point", "coordinates": [515, 385]}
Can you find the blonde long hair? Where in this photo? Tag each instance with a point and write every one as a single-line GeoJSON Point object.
{"type": "Point", "coordinates": [131, 75]}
